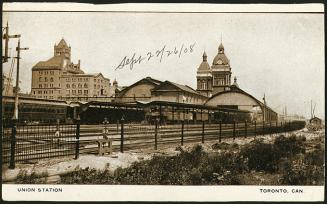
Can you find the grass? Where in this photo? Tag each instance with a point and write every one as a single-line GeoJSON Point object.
{"type": "Point", "coordinates": [283, 162]}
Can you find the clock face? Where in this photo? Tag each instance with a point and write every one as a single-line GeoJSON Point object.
{"type": "Point", "coordinates": [219, 61]}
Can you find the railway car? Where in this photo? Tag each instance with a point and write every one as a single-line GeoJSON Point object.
{"type": "Point", "coordinates": [33, 110]}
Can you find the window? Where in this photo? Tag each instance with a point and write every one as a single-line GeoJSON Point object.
{"type": "Point", "coordinates": [221, 81]}
{"type": "Point", "coordinates": [73, 86]}
{"type": "Point", "coordinates": [95, 80]}
{"type": "Point", "coordinates": [39, 92]}
{"type": "Point", "coordinates": [79, 85]}
{"type": "Point", "coordinates": [98, 86]}
{"type": "Point", "coordinates": [51, 73]}
{"type": "Point", "coordinates": [34, 92]}
{"type": "Point", "coordinates": [85, 85]}
{"type": "Point", "coordinates": [51, 79]}
{"type": "Point", "coordinates": [45, 85]}
{"type": "Point", "coordinates": [74, 92]}
{"type": "Point", "coordinates": [68, 86]}
{"type": "Point", "coordinates": [40, 85]}
{"type": "Point", "coordinates": [40, 79]}
{"type": "Point", "coordinates": [95, 86]}
{"type": "Point", "coordinates": [215, 80]}
{"type": "Point", "coordinates": [45, 92]}
{"type": "Point", "coordinates": [68, 79]}
{"type": "Point", "coordinates": [45, 79]}
{"type": "Point", "coordinates": [67, 92]}
{"type": "Point", "coordinates": [85, 92]}
{"type": "Point", "coordinates": [79, 92]}
{"type": "Point", "coordinates": [203, 85]}
{"type": "Point", "coordinates": [51, 97]}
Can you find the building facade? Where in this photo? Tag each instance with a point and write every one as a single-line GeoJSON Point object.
{"type": "Point", "coordinates": [237, 99]}
{"type": "Point", "coordinates": [59, 78]}
{"type": "Point", "coordinates": [139, 91]}
{"type": "Point", "coordinates": [217, 78]}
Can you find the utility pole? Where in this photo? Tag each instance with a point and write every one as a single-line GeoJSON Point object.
{"type": "Point", "coordinates": [6, 37]}
{"type": "Point", "coordinates": [18, 49]}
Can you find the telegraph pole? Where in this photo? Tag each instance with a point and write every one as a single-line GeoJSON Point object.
{"type": "Point", "coordinates": [18, 49]}
{"type": "Point", "coordinates": [6, 37]}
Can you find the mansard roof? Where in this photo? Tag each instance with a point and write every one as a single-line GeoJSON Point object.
{"type": "Point", "coordinates": [55, 61]}
{"type": "Point", "coordinates": [204, 67]}
{"type": "Point", "coordinates": [222, 57]}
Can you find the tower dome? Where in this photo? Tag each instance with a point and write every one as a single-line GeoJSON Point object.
{"type": "Point", "coordinates": [204, 66]}
{"type": "Point", "coordinates": [220, 58]}
{"type": "Point", "coordinates": [115, 82]}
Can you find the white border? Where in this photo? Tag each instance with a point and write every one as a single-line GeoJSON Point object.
{"type": "Point", "coordinates": [161, 193]}
{"type": "Point", "coordinates": [165, 7]}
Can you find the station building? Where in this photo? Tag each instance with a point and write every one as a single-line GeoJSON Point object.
{"type": "Point", "coordinates": [59, 78]}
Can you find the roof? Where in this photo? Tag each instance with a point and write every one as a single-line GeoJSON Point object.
{"type": "Point", "coordinates": [55, 61]}
{"type": "Point", "coordinates": [186, 105]}
{"type": "Point", "coordinates": [222, 57]}
{"type": "Point", "coordinates": [238, 90]}
{"type": "Point", "coordinates": [85, 75]}
{"type": "Point", "coordinates": [184, 87]}
{"type": "Point", "coordinates": [150, 80]}
{"type": "Point", "coordinates": [221, 46]}
{"type": "Point", "coordinates": [180, 87]}
{"type": "Point", "coordinates": [62, 43]}
{"type": "Point", "coordinates": [204, 66]}
{"type": "Point", "coordinates": [27, 99]}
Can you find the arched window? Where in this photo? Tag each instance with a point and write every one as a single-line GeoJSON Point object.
{"type": "Point", "coordinates": [79, 85]}
{"type": "Point", "coordinates": [51, 79]}
{"type": "Point", "coordinates": [85, 85]}
{"type": "Point", "coordinates": [68, 85]}
{"type": "Point", "coordinates": [74, 86]}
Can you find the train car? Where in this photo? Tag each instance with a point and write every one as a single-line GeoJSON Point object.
{"type": "Point", "coordinates": [33, 110]}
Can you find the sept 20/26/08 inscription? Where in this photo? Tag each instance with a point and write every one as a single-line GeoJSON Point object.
{"type": "Point", "coordinates": [160, 54]}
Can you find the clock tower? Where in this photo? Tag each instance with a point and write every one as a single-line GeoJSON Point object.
{"type": "Point", "coordinates": [221, 71]}
{"type": "Point", "coordinates": [64, 51]}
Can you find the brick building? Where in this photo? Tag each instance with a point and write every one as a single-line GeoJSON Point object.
{"type": "Point", "coordinates": [59, 77]}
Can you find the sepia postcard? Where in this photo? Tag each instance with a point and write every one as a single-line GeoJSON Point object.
{"type": "Point", "coordinates": [163, 102]}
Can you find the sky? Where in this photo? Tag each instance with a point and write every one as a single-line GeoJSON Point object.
{"type": "Point", "coordinates": [279, 55]}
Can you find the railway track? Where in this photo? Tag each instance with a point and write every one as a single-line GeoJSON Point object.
{"type": "Point", "coordinates": [38, 142]}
